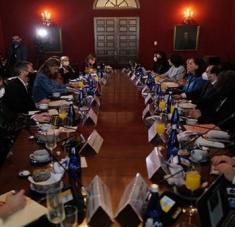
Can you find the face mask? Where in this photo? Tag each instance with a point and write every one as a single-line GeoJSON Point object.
{"type": "Point", "coordinates": [155, 59]}
{"type": "Point", "coordinates": [170, 63]}
{"type": "Point", "coordinates": [2, 92]}
{"type": "Point", "coordinates": [159, 56]}
{"type": "Point", "coordinates": [15, 42]}
{"type": "Point", "coordinates": [66, 63]}
{"type": "Point", "coordinates": [204, 76]}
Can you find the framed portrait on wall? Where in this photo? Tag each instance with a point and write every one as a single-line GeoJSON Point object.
{"type": "Point", "coordinates": [186, 37]}
{"type": "Point", "coordinates": [51, 41]}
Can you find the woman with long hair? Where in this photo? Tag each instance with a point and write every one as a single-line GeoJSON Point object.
{"type": "Point", "coordinates": [45, 83]}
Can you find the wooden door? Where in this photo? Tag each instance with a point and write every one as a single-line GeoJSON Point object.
{"type": "Point", "coordinates": [116, 39]}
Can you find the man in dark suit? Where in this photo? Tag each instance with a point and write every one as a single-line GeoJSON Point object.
{"type": "Point", "coordinates": [209, 91]}
{"type": "Point", "coordinates": [17, 53]}
{"type": "Point", "coordinates": [17, 96]}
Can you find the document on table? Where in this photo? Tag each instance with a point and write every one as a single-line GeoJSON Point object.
{"type": "Point", "coordinates": [31, 212]}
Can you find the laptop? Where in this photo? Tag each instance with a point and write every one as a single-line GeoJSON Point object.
{"type": "Point", "coordinates": [213, 206]}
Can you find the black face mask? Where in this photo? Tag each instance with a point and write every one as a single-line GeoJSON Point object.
{"type": "Point", "coordinates": [15, 43]}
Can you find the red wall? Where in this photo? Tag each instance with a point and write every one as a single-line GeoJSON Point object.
{"type": "Point", "coordinates": [2, 50]}
{"type": "Point", "coordinates": [231, 36]}
{"type": "Point", "coordinates": [157, 20]}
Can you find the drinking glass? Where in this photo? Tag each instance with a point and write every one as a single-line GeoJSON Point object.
{"type": "Point", "coordinates": [71, 216]}
{"type": "Point", "coordinates": [160, 128]}
{"type": "Point", "coordinates": [63, 113]}
{"type": "Point", "coordinates": [162, 105]}
{"type": "Point", "coordinates": [192, 183]}
{"type": "Point", "coordinates": [51, 142]}
{"type": "Point", "coordinates": [56, 213]}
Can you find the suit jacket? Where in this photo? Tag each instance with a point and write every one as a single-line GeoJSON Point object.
{"type": "Point", "coordinates": [206, 96]}
{"type": "Point", "coordinates": [220, 111]}
{"type": "Point", "coordinates": [17, 98]}
{"type": "Point", "coordinates": [17, 54]}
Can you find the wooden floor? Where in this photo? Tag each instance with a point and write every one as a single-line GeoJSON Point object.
{"type": "Point", "coordinates": [125, 144]}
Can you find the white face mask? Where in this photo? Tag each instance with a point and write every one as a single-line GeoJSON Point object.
{"type": "Point", "coordinates": [204, 76]}
{"type": "Point", "coordinates": [159, 56]}
{"type": "Point", "coordinates": [155, 59]}
{"type": "Point", "coordinates": [170, 63]}
{"type": "Point", "coordinates": [2, 92]}
{"type": "Point", "coordinates": [66, 63]}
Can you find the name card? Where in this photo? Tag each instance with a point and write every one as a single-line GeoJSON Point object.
{"type": "Point", "coordinates": [95, 101]}
{"type": "Point", "coordinates": [99, 207]}
{"type": "Point", "coordinates": [154, 137]}
{"type": "Point", "coordinates": [103, 81]}
{"type": "Point", "coordinates": [93, 144]}
{"type": "Point", "coordinates": [152, 134]}
{"type": "Point", "coordinates": [138, 82]}
{"type": "Point", "coordinates": [133, 77]}
{"type": "Point", "coordinates": [148, 99]}
{"type": "Point", "coordinates": [156, 166]}
{"type": "Point", "coordinates": [146, 112]}
{"type": "Point", "coordinates": [131, 207]}
{"type": "Point", "coordinates": [91, 118]}
{"type": "Point", "coordinates": [129, 73]}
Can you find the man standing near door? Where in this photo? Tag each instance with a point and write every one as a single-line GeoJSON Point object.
{"type": "Point", "coordinates": [17, 53]}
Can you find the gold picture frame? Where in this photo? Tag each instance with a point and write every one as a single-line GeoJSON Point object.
{"type": "Point", "coordinates": [186, 37]}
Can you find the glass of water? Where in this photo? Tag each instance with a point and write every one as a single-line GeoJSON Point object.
{"type": "Point", "coordinates": [71, 216]}
{"type": "Point", "coordinates": [55, 206]}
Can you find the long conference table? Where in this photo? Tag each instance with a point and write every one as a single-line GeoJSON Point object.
{"type": "Point", "coordinates": [122, 154]}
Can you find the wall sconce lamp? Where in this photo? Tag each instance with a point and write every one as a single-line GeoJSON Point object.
{"type": "Point", "coordinates": [46, 18]}
{"type": "Point", "coordinates": [188, 16]}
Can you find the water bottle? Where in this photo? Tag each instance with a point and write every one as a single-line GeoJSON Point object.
{"type": "Point", "coordinates": [153, 213]}
{"type": "Point", "coordinates": [169, 102]}
{"type": "Point", "coordinates": [175, 118]}
{"type": "Point", "coordinates": [173, 143]}
{"type": "Point", "coordinates": [80, 98]}
{"type": "Point", "coordinates": [75, 173]}
{"type": "Point", "coordinates": [71, 115]}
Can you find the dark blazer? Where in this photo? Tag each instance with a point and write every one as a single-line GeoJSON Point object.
{"type": "Point", "coordinates": [206, 96]}
{"type": "Point", "coordinates": [17, 54]}
{"type": "Point", "coordinates": [220, 111]}
{"type": "Point", "coordinates": [68, 74]}
{"type": "Point", "coordinates": [17, 98]}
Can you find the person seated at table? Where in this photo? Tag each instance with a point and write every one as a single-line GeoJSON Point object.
{"type": "Point", "coordinates": [209, 90]}
{"type": "Point", "coordinates": [13, 203]}
{"type": "Point", "coordinates": [11, 123]}
{"type": "Point", "coordinates": [194, 83]}
{"type": "Point", "coordinates": [17, 95]}
{"type": "Point", "coordinates": [90, 63]}
{"type": "Point", "coordinates": [221, 109]}
{"type": "Point", "coordinates": [160, 63]}
{"type": "Point", "coordinates": [66, 70]}
{"type": "Point", "coordinates": [225, 165]}
{"type": "Point", "coordinates": [45, 84]}
{"type": "Point", "coordinates": [176, 70]}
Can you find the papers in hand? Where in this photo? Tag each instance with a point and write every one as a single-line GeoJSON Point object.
{"type": "Point", "coordinates": [28, 214]}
